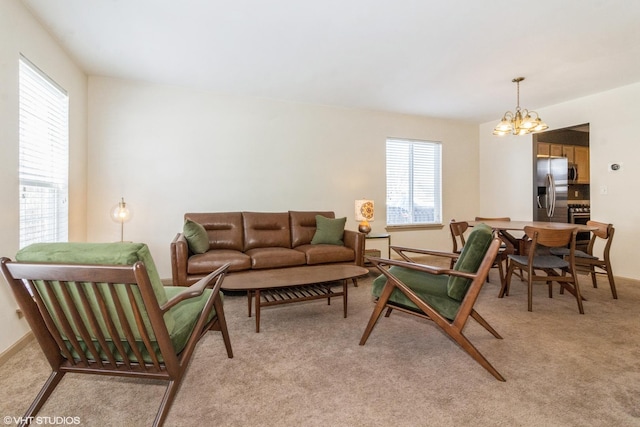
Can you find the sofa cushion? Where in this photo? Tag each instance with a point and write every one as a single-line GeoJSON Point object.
{"type": "Point", "coordinates": [225, 229]}
{"type": "Point", "coordinates": [197, 237]}
{"type": "Point", "coordinates": [275, 257]}
{"type": "Point", "coordinates": [322, 254]}
{"type": "Point", "coordinates": [104, 254]}
{"type": "Point", "coordinates": [329, 231]}
{"type": "Point", "coordinates": [266, 230]}
{"type": "Point", "coordinates": [303, 226]}
{"type": "Point", "coordinates": [214, 258]}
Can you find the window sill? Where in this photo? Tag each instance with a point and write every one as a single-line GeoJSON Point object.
{"type": "Point", "coordinates": [407, 227]}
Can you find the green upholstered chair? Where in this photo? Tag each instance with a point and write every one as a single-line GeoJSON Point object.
{"type": "Point", "coordinates": [101, 308]}
{"type": "Point", "coordinates": [444, 295]}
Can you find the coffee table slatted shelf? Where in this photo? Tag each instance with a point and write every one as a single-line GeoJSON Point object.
{"type": "Point", "coordinates": [298, 293]}
{"type": "Point", "coordinates": [294, 284]}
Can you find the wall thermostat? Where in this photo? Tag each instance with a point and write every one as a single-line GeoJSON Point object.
{"type": "Point", "coordinates": [615, 167]}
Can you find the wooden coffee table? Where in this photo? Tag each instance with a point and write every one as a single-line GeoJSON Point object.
{"type": "Point", "coordinates": [293, 284]}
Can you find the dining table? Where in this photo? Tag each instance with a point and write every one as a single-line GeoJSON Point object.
{"type": "Point", "coordinates": [501, 225]}
{"type": "Point", "coordinates": [514, 245]}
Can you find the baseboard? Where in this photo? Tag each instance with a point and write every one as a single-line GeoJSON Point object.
{"type": "Point", "coordinates": [16, 347]}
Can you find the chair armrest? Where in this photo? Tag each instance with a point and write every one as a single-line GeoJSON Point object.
{"type": "Point", "coordinates": [355, 240]}
{"type": "Point", "coordinates": [212, 280]}
{"type": "Point", "coordinates": [179, 258]}
{"type": "Point", "coordinates": [400, 250]}
{"type": "Point", "coordinates": [380, 263]}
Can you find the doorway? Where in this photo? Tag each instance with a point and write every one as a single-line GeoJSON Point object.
{"type": "Point", "coordinates": [571, 143]}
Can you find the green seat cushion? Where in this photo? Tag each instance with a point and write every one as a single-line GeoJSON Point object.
{"type": "Point", "coordinates": [431, 288]}
{"type": "Point", "coordinates": [197, 237]}
{"type": "Point", "coordinates": [186, 315]}
{"type": "Point", "coordinates": [102, 254]}
{"type": "Point", "coordinates": [329, 231]}
{"type": "Point", "coordinates": [469, 260]}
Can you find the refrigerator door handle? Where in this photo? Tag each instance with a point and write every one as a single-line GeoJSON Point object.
{"type": "Point", "coordinates": [550, 195]}
{"type": "Point", "coordinates": [538, 201]}
{"type": "Point", "coordinates": [553, 196]}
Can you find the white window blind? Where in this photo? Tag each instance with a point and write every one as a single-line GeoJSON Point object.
{"type": "Point", "coordinates": [414, 187]}
{"type": "Point", "coordinates": [44, 157]}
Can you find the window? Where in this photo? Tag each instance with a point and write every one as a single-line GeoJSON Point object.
{"type": "Point", "coordinates": [414, 190]}
{"type": "Point", "coordinates": [43, 159]}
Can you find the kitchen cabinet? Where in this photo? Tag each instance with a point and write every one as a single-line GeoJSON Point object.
{"type": "Point", "coordinates": [546, 149]}
{"type": "Point", "coordinates": [575, 154]}
{"type": "Point", "coordinates": [581, 160]}
{"type": "Point", "coordinates": [568, 152]}
{"type": "Point", "coordinates": [543, 149]}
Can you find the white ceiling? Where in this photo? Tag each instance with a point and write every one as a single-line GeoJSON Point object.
{"type": "Point", "coordinates": [441, 58]}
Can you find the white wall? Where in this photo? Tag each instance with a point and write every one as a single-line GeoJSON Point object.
{"type": "Point", "coordinates": [20, 33]}
{"type": "Point", "coordinates": [506, 167]}
{"type": "Point", "coordinates": [170, 150]}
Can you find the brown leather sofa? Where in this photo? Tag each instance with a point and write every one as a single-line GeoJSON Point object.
{"type": "Point", "coordinates": [259, 240]}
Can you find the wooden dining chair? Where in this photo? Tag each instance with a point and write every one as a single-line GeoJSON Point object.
{"type": "Point", "coordinates": [588, 262]}
{"type": "Point", "coordinates": [511, 244]}
{"type": "Point", "coordinates": [457, 228]}
{"type": "Point", "coordinates": [540, 260]}
{"type": "Point", "coordinates": [100, 308]}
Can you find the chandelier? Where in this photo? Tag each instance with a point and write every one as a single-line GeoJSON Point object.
{"type": "Point", "coordinates": [521, 122]}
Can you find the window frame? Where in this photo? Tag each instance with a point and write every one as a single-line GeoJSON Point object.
{"type": "Point", "coordinates": [43, 159]}
{"type": "Point", "coordinates": [430, 178]}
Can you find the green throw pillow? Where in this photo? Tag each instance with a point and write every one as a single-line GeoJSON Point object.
{"type": "Point", "coordinates": [196, 236]}
{"type": "Point", "coordinates": [329, 231]}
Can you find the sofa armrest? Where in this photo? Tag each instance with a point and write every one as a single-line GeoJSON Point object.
{"type": "Point", "coordinates": [355, 240]}
{"type": "Point", "coordinates": [179, 257]}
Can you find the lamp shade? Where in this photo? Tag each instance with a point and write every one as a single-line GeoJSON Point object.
{"type": "Point", "coordinates": [364, 210]}
{"type": "Point", "coordinates": [120, 213]}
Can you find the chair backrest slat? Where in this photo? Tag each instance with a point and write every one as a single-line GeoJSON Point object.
{"type": "Point", "coordinates": [126, 327]}
{"type": "Point", "coordinates": [142, 329]}
{"type": "Point", "coordinates": [63, 322]}
{"type": "Point", "coordinates": [73, 308]}
{"type": "Point", "coordinates": [111, 328]}
{"type": "Point", "coordinates": [96, 331]}
{"type": "Point", "coordinates": [48, 320]}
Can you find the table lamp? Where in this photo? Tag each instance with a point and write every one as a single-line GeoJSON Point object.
{"type": "Point", "coordinates": [364, 214]}
{"type": "Point", "coordinates": [121, 213]}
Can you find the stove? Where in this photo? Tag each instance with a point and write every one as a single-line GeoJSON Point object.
{"type": "Point", "coordinates": [580, 213]}
{"type": "Point", "coordinates": [579, 210]}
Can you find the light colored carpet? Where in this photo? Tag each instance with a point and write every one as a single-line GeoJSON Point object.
{"type": "Point", "coordinates": [305, 368]}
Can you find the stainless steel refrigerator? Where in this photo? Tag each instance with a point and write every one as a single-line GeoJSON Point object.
{"type": "Point", "coordinates": [552, 185]}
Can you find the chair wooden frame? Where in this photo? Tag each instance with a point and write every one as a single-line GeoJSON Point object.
{"type": "Point", "coordinates": [51, 334]}
{"type": "Point", "coordinates": [555, 271]}
{"type": "Point", "coordinates": [589, 265]}
{"type": "Point", "coordinates": [452, 328]}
